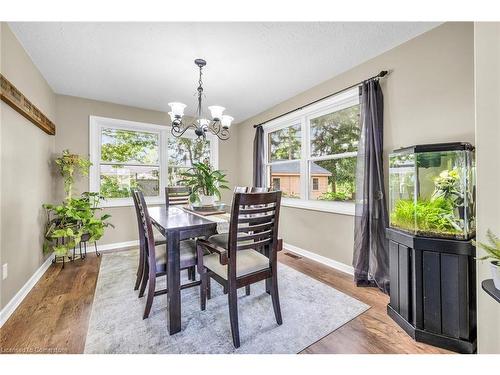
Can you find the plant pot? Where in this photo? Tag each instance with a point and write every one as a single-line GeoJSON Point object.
{"type": "Point", "coordinates": [207, 200]}
{"type": "Point", "coordinates": [495, 272]}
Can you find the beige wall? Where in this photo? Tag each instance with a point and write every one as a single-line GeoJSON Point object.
{"type": "Point", "coordinates": [487, 81]}
{"type": "Point", "coordinates": [72, 115]}
{"type": "Point", "coordinates": [429, 97]}
{"type": "Point", "coordinates": [26, 181]}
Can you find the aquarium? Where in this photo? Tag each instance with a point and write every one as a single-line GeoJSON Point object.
{"type": "Point", "coordinates": [432, 190]}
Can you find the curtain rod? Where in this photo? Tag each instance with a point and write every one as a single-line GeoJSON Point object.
{"type": "Point", "coordinates": [383, 73]}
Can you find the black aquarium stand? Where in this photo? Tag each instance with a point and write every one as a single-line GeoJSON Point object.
{"type": "Point", "coordinates": [433, 290]}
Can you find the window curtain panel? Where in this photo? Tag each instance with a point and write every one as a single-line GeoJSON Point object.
{"type": "Point", "coordinates": [371, 257]}
{"type": "Point", "coordinates": [258, 158]}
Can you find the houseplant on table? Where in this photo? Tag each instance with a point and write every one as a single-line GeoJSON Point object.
{"type": "Point", "coordinates": [493, 253]}
{"type": "Point", "coordinates": [75, 220]}
{"type": "Point", "coordinates": [205, 183]}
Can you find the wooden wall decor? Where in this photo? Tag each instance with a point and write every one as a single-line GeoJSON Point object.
{"type": "Point", "coordinates": [13, 97]}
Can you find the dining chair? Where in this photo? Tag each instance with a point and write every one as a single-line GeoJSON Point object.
{"type": "Point", "coordinates": [177, 195]}
{"type": "Point", "coordinates": [142, 275]}
{"type": "Point", "coordinates": [156, 261]}
{"type": "Point", "coordinates": [239, 263]}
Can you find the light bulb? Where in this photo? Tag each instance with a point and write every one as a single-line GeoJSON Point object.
{"type": "Point", "coordinates": [177, 109]}
{"type": "Point", "coordinates": [216, 111]}
{"type": "Point", "coordinates": [226, 121]}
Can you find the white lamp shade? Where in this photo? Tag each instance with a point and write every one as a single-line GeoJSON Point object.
{"type": "Point", "coordinates": [216, 111]}
{"type": "Point", "coordinates": [226, 121]}
{"type": "Point", "coordinates": [177, 109]}
{"type": "Point", "coordinates": [172, 116]}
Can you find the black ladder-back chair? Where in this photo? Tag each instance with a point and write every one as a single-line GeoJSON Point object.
{"type": "Point", "coordinates": [177, 195]}
{"type": "Point", "coordinates": [156, 262]}
{"type": "Point", "coordinates": [143, 267]}
{"type": "Point", "coordinates": [240, 264]}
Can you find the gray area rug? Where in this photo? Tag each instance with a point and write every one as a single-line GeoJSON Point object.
{"type": "Point", "coordinates": [310, 310]}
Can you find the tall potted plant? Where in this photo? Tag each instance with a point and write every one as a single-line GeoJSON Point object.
{"type": "Point", "coordinates": [75, 219]}
{"type": "Point", "coordinates": [205, 183]}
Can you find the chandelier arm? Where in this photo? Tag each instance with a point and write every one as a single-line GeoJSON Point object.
{"type": "Point", "coordinates": [223, 134]}
{"type": "Point", "coordinates": [215, 127]}
{"type": "Point", "coordinates": [179, 133]}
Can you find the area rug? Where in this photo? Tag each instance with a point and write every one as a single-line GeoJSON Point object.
{"type": "Point", "coordinates": [310, 309]}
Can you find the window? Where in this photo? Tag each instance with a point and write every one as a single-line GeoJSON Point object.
{"type": "Point", "coordinates": [314, 151]}
{"type": "Point", "coordinates": [315, 184]}
{"type": "Point", "coordinates": [276, 183]}
{"type": "Point", "coordinates": [127, 155]}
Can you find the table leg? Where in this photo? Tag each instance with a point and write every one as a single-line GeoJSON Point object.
{"type": "Point", "coordinates": [174, 283]}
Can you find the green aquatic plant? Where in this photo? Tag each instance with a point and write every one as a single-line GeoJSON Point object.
{"type": "Point", "coordinates": [429, 216]}
{"type": "Point", "coordinates": [447, 186]}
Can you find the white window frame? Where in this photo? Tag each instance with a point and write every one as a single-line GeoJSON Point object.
{"type": "Point", "coordinates": [303, 116]}
{"type": "Point", "coordinates": [96, 123]}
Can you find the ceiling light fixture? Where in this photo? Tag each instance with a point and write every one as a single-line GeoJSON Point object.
{"type": "Point", "coordinates": [219, 125]}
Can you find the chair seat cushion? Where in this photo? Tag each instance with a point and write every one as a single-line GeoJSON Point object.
{"type": "Point", "coordinates": [223, 238]}
{"type": "Point", "coordinates": [187, 255]}
{"type": "Point", "coordinates": [247, 261]}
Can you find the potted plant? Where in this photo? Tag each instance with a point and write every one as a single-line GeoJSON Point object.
{"type": "Point", "coordinates": [68, 165]}
{"type": "Point", "coordinates": [205, 183]}
{"type": "Point", "coordinates": [492, 252]}
{"type": "Point", "coordinates": [75, 219]}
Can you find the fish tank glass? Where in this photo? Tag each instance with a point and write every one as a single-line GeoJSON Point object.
{"type": "Point", "coordinates": [432, 190]}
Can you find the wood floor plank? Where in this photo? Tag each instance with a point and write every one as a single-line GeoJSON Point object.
{"type": "Point", "coordinates": [54, 316]}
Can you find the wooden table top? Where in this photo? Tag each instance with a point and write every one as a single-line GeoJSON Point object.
{"type": "Point", "coordinates": [176, 218]}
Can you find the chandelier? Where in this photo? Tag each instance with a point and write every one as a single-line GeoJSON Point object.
{"type": "Point", "coordinates": [219, 125]}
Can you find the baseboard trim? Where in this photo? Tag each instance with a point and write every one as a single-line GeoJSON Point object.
{"type": "Point", "coordinates": [319, 258]}
{"type": "Point", "coordinates": [12, 305]}
{"type": "Point", "coordinates": [118, 245]}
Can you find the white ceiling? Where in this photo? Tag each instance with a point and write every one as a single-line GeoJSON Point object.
{"type": "Point", "coordinates": [250, 66]}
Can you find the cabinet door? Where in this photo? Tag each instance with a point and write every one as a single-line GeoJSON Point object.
{"type": "Point", "coordinates": [394, 274]}
{"type": "Point", "coordinates": [405, 282]}
{"type": "Point", "coordinates": [432, 291]}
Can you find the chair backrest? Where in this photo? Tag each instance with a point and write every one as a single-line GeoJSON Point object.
{"type": "Point", "coordinates": [177, 195]}
{"type": "Point", "coordinates": [255, 189]}
{"type": "Point", "coordinates": [139, 221]}
{"type": "Point", "coordinates": [254, 224]}
{"type": "Point", "coordinates": [147, 227]}
{"type": "Point", "coordinates": [240, 189]}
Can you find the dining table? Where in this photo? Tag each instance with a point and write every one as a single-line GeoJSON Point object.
{"type": "Point", "coordinates": [176, 224]}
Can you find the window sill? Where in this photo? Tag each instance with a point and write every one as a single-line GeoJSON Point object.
{"type": "Point", "coordinates": [128, 202]}
{"type": "Point", "coordinates": [341, 208]}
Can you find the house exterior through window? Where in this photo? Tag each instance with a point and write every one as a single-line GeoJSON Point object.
{"type": "Point", "coordinates": [313, 153]}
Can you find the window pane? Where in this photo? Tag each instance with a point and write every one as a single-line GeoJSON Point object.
{"type": "Point", "coordinates": [117, 180]}
{"type": "Point", "coordinates": [285, 144]}
{"type": "Point", "coordinates": [186, 151]}
{"type": "Point", "coordinates": [174, 175]}
{"type": "Point", "coordinates": [336, 132]}
{"type": "Point", "coordinates": [336, 179]}
{"type": "Point", "coordinates": [287, 176]}
{"type": "Point", "coordinates": [130, 147]}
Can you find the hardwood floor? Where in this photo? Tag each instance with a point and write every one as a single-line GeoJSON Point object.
{"type": "Point", "coordinates": [54, 316]}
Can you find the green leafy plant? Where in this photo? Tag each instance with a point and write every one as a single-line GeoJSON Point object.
{"type": "Point", "coordinates": [492, 248]}
{"type": "Point", "coordinates": [74, 219]}
{"type": "Point", "coordinates": [70, 164]}
{"type": "Point", "coordinates": [202, 179]}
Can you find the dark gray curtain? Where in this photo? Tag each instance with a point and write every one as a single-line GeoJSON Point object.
{"type": "Point", "coordinates": [371, 258]}
{"type": "Point", "coordinates": [258, 158]}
